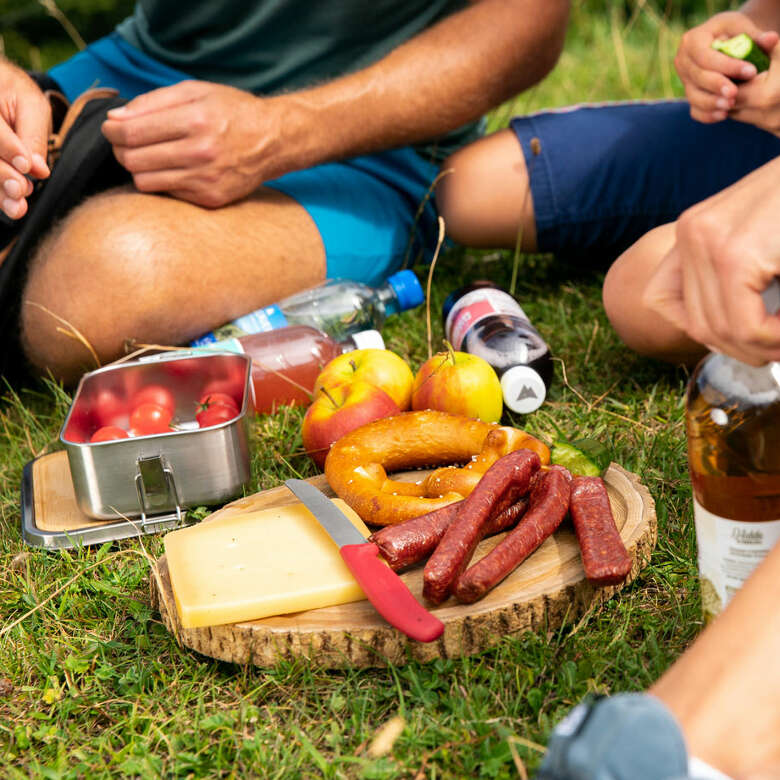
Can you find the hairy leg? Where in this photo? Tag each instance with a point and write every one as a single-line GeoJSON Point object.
{"type": "Point", "coordinates": [485, 200]}
{"type": "Point", "coordinates": [638, 327]}
{"type": "Point", "coordinates": [126, 265]}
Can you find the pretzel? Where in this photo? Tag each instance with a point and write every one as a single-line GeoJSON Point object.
{"type": "Point", "coordinates": [358, 463]}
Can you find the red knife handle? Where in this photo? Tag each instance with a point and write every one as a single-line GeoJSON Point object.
{"type": "Point", "coordinates": [389, 594]}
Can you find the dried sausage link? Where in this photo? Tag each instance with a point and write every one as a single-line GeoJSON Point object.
{"type": "Point", "coordinates": [604, 556]}
{"type": "Point", "coordinates": [510, 474]}
{"type": "Point", "coordinates": [414, 540]}
{"type": "Point", "coordinates": [548, 504]}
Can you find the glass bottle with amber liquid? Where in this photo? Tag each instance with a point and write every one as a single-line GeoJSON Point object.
{"type": "Point", "coordinates": [733, 426]}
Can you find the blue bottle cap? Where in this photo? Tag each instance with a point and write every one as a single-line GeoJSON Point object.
{"type": "Point", "coordinates": [407, 288]}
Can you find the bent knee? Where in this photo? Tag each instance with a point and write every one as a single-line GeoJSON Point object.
{"type": "Point", "coordinates": [452, 198]}
{"type": "Point", "coordinates": [484, 196]}
{"type": "Point", "coordinates": [638, 326]}
{"type": "Point", "coordinates": [85, 286]}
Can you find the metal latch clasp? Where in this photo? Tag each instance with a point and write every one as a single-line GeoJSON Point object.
{"type": "Point", "coordinates": [156, 488]}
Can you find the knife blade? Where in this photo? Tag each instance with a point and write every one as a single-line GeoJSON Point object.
{"type": "Point", "coordinates": [382, 586]}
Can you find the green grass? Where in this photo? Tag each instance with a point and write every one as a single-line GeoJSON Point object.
{"type": "Point", "coordinates": [92, 685]}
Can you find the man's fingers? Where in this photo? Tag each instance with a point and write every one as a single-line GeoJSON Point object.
{"type": "Point", "coordinates": [157, 100]}
{"type": "Point", "coordinates": [181, 184]}
{"type": "Point", "coordinates": [768, 40]}
{"type": "Point", "coordinates": [162, 180]}
{"type": "Point", "coordinates": [707, 102]}
{"type": "Point", "coordinates": [13, 151]}
{"type": "Point", "coordinates": [33, 124]}
{"type": "Point", "coordinates": [143, 131]}
{"type": "Point", "coordinates": [182, 153]}
{"type": "Point", "coordinates": [715, 71]}
{"type": "Point", "coordinates": [14, 188]}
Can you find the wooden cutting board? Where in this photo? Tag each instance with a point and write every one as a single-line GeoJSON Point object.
{"type": "Point", "coordinates": [546, 590]}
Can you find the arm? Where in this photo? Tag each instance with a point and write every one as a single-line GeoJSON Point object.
{"type": "Point", "coordinates": [726, 252]}
{"type": "Point", "coordinates": [213, 144]}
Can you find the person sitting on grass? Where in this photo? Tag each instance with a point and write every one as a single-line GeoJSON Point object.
{"type": "Point", "coordinates": [270, 145]}
{"type": "Point", "coordinates": [605, 182]}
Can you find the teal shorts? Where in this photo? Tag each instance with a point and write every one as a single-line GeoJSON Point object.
{"type": "Point", "coordinates": [365, 208]}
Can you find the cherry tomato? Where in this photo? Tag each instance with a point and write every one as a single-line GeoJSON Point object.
{"type": "Point", "coordinates": [216, 399]}
{"type": "Point", "coordinates": [109, 433]}
{"type": "Point", "coordinates": [108, 406]}
{"type": "Point", "coordinates": [216, 414]}
{"type": "Point", "coordinates": [230, 387]}
{"type": "Point", "coordinates": [154, 394]}
{"type": "Point", "coordinates": [148, 418]}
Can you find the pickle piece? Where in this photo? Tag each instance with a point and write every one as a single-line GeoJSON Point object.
{"type": "Point", "coordinates": [743, 47]}
{"type": "Point", "coordinates": [574, 459]}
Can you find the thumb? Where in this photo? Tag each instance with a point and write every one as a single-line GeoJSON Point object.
{"type": "Point", "coordinates": [767, 40]}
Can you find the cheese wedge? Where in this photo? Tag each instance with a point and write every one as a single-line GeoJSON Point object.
{"type": "Point", "coordinates": [258, 564]}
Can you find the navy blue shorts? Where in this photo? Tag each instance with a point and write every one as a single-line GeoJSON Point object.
{"type": "Point", "coordinates": [606, 174]}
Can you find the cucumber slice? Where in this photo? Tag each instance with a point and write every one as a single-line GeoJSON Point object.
{"type": "Point", "coordinates": [743, 47]}
{"type": "Point", "coordinates": [573, 458]}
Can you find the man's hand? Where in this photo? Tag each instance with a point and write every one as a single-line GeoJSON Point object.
{"type": "Point", "coordinates": [25, 121]}
{"type": "Point", "coordinates": [758, 101]}
{"type": "Point", "coordinates": [727, 252]}
{"type": "Point", "coordinates": [205, 143]}
{"type": "Point", "coordinates": [708, 75]}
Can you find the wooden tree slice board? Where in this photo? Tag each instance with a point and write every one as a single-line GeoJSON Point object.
{"type": "Point", "coordinates": [546, 590]}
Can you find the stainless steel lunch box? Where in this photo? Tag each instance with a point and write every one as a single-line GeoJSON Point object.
{"type": "Point", "coordinates": [163, 473]}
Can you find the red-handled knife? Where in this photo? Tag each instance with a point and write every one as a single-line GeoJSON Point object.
{"type": "Point", "coordinates": [382, 586]}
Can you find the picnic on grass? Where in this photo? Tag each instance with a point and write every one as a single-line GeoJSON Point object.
{"type": "Point", "coordinates": [371, 412]}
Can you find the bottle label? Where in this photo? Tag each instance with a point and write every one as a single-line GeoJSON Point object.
{"type": "Point", "coordinates": [728, 551]}
{"type": "Point", "coordinates": [258, 321]}
{"type": "Point", "coordinates": [225, 345]}
{"type": "Point", "coordinates": [475, 306]}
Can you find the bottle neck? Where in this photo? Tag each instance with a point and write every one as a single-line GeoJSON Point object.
{"type": "Point", "coordinates": [387, 302]}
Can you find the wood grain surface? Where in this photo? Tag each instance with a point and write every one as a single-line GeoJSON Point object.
{"type": "Point", "coordinates": [548, 589]}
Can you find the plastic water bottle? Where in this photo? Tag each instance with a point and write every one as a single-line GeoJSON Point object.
{"type": "Point", "coordinates": [732, 417]}
{"type": "Point", "coordinates": [485, 320]}
{"type": "Point", "coordinates": [339, 307]}
{"type": "Point", "coordinates": [287, 361]}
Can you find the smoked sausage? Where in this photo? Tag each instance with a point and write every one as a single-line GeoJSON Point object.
{"type": "Point", "coordinates": [509, 474]}
{"type": "Point", "coordinates": [548, 504]}
{"type": "Point", "coordinates": [604, 556]}
{"type": "Point", "coordinates": [414, 540]}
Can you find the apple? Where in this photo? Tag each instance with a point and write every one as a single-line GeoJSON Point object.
{"type": "Point", "coordinates": [379, 367]}
{"type": "Point", "coordinates": [458, 383]}
{"type": "Point", "coordinates": [339, 410]}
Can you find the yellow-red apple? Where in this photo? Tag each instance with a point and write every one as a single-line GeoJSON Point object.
{"type": "Point", "coordinates": [458, 383]}
{"type": "Point", "coordinates": [339, 410]}
{"type": "Point", "coordinates": [379, 367]}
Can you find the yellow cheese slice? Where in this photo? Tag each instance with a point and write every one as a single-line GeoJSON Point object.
{"type": "Point", "coordinates": [258, 564]}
